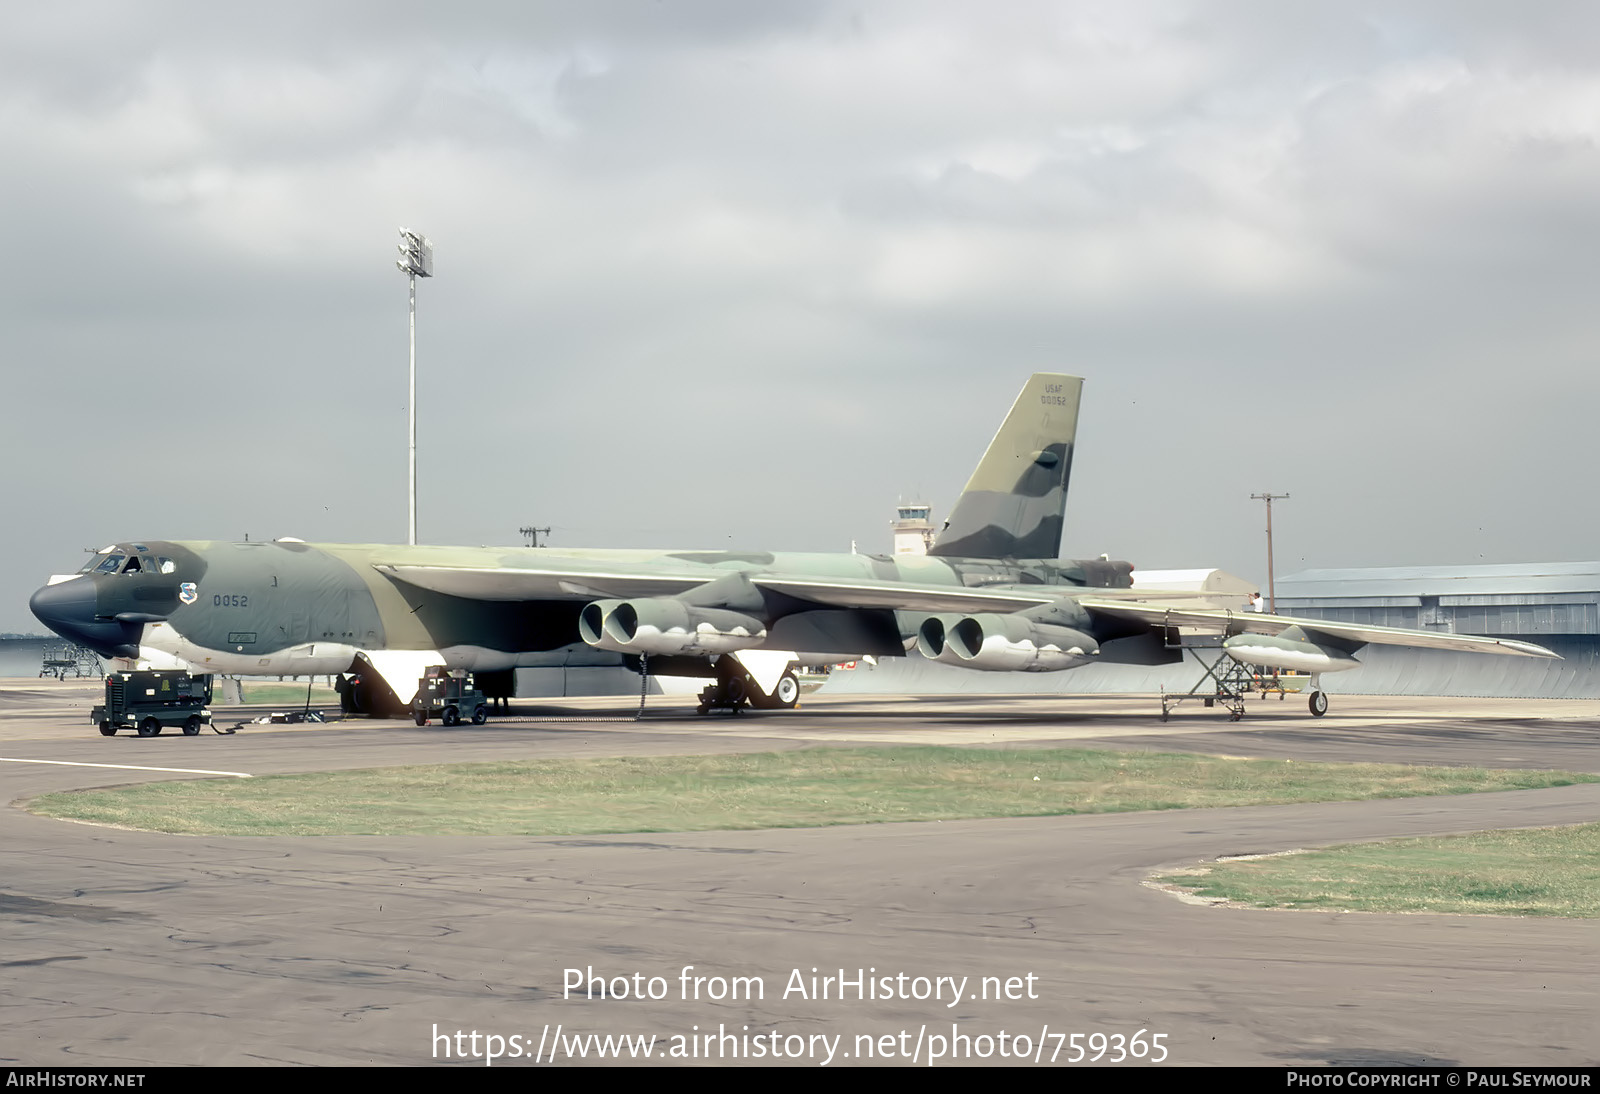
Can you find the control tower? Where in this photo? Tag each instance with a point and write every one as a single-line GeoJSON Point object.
{"type": "Point", "coordinates": [913, 531]}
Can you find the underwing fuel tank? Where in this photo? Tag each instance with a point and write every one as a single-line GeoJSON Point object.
{"type": "Point", "coordinates": [1003, 643]}
{"type": "Point", "coordinates": [665, 626]}
{"type": "Point", "coordinates": [1291, 649]}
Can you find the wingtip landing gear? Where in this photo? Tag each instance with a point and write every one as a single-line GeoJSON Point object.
{"type": "Point", "coordinates": [1318, 703]}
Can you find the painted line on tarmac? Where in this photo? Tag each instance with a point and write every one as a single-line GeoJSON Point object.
{"type": "Point", "coordinates": [129, 767]}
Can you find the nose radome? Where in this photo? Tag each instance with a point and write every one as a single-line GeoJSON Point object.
{"type": "Point", "coordinates": [68, 603]}
{"type": "Point", "coordinates": [68, 608]}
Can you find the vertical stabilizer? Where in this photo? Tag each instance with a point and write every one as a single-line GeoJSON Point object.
{"type": "Point", "coordinates": [1014, 503]}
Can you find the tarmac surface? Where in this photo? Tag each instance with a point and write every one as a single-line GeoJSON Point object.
{"type": "Point", "coordinates": [129, 949]}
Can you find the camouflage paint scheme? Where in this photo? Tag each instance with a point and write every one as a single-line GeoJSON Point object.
{"type": "Point", "coordinates": [260, 601]}
{"type": "Point", "coordinates": [288, 607]}
{"type": "Point", "coordinates": [1014, 504]}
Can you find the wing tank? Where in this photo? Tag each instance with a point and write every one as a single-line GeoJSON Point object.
{"type": "Point", "coordinates": [1290, 649]}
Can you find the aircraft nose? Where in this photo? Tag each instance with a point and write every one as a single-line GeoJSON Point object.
{"type": "Point", "coordinates": [69, 608]}
{"type": "Point", "coordinates": [69, 604]}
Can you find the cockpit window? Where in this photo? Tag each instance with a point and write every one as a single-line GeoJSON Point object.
{"type": "Point", "coordinates": [134, 565]}
{"type": "Point", "coordinates": [110, 564]}
{"type": "Point", "coordinates": [166, 565]}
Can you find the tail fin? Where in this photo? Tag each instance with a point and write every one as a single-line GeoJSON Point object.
{"type": "Point", "coordinates": [1014, 503]}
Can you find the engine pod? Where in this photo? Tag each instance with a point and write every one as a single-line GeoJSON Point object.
{"type": "Point", "coordinates": [662, 625]}
{"type": "Point", "coordinates": [1003, 643]}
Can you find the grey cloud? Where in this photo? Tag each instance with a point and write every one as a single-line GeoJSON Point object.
{"type": "Point", "coordinates": [1339, 251]}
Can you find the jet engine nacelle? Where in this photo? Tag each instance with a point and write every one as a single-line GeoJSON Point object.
{"type": "Point", "coordinates": [665, 626]}
{"type": "Point", "coordinates": [1291, 649]}
{"type": "Point", "coordinates": [1003, 643]}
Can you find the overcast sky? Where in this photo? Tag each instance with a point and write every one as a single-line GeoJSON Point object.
{"type": "Point", "coordinates": [746, 274]}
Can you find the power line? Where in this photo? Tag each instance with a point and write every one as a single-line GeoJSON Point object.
{"type": "Point", "coordinates": [1272, 591]}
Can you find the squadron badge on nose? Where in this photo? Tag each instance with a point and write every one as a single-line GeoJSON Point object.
{"type": "Point", "coordinates": [188, 593]}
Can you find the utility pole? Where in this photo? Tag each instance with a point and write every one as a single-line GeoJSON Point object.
{"type": "Point", "coordinates": [416, 260]}
{"type": "Point", "coordinates": [1272, 589]}
{"type": "Point", "coordinates": [533, 535]}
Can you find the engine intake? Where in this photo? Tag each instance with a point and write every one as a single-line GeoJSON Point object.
{"type": "Point", "coordinates": [664, 626]}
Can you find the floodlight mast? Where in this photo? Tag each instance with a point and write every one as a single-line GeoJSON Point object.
{"type": "Point", "coordinates": [416, 260]}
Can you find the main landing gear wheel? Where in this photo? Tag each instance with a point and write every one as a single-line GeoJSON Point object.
{"type": "Point", "coordinates": [107, 729]}
{"type": "Point", "coordinates": [787, 693]}
{"type": "Point", "coordinates": [1318, 704]}
{"type": "Point", "coordinates": [149, 728]}
{"type": "Point", "coordinates": [191, 726]}
{"type": "Point", "coordinates": [421, 717]}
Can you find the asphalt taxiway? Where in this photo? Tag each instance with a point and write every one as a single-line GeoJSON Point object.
{"type": "Point", "coordinates": [128, 948]}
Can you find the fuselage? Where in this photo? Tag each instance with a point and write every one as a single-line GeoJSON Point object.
{"type": "Point", "coordinates": [286, 607]}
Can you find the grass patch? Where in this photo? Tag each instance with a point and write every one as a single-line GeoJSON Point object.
{"type": "Point", "coordinates": [768, 790]}
{"type": "Point", "coordinates": [1537, 871]}
{"type": "Point", "coordinates": [285, 694]}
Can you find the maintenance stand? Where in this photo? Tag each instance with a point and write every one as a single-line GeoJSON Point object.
{"type": "Point", "coordinates": [1233, 680]}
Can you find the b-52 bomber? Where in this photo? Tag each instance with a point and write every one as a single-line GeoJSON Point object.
{"type": "Point", "coordinates": [991, 595]}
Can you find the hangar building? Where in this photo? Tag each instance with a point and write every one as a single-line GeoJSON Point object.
{"type": "Point", "coordinates": [1555, 604]}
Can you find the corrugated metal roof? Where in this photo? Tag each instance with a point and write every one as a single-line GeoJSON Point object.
{"type": "Point", "coordinates": [1510, 578]}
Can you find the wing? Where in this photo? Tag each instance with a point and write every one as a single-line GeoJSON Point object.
{"type": "Point", "coordinates": [581, 580]}
{"type": "Point", "coordinates": [657, 606]}
{"type": "Point", "coordinates": [1231, 623]}
{"type": "Point", "coordinates": [907, 597]}
{"type": "Point", "coordinates": [574, 581]}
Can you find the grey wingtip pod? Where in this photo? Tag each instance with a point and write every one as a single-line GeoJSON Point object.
{"type": "Point", "coordinates": [1015, 504]}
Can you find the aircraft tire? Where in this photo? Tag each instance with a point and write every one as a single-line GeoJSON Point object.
{"type": "Point", "coordinates": [421, 717]}
{"type": "Point", "coordinates": [191, 726]}
{"type": "Point", "coordinates": [452, 716]}
{"type": "Point", "coordinates": [480, 715]}
{"type": "Point", "coordinates": [107, 729]}
{"type": "Point", "coordinates": [787, 692]}
{"type": "Point", "coordinates": [149, 728]}
{"type": "Point", "coordinates": [1318, 704]}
